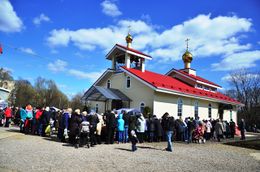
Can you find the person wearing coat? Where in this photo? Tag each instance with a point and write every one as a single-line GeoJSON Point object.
{"type": "Point", "coordinates": [100, 124]}
{"type": "Point", "coordinates": [8, 116]}
{"type": "Point", "coordinates": [110, 126]}
{"type": "Point", "coordinates": [2, 116]}
{"type": "Point", "coordinates": [126, 117]}
{"type": "Point", "coordinates": [29, 117]}
{"type": "Point", "coordinates": [158, 129]}
{"type": "Point", "coordinates": [169, 127]}
{"type": "Point", "coordinates": [74, 128]}
{"type": "Point", "coordinates": [64, 124]}
{"type": "Point", "coordinates": [120, 128]}
{"type": "Point", "coordinates": [232, 126]}
{"type": "Point", "coordinates": [140, 127]}
{"type": "Point", "coordinates": [219, 129]}
{"type": "Point", "coordinates": [242, 128]}
{"type": "Point", "coordinates": [93, 121]}
{"type": "Point", "coordinates": [23, 118]}
{"type": "Point", "coordinates": [45, 119]}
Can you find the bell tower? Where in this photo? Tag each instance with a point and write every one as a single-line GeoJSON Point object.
{"type": "Point", "coordinates": [127, 56]}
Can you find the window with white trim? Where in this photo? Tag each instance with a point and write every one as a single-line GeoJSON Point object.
{"type": "Point", "coordinates": [96, 108]}
{"type": "Point", "coordinates": [142, 105]}
{"type": "Point", "coordinates": [128, 82]}
{"type": "Point", "coordinates": [196, 109]}
{"type": "Point", "coordinates": [209, 110]}
{"type": "Point", "coordinates": [108, 83]}
{"type": "Point", "coordinates": [180, 104]}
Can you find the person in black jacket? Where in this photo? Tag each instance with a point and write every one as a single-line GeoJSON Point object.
{"type": "Point", "coordinates": [126, 117]}
{"type": "Point", "coordinates": [45, 119]}
{"type": "Point", "coordinates": [93, 120]}
{"type": "Point", "coordinates": [151, 129]}
{"type": "Point", "coordinates": [232, 126]}
{"type": "Point", "coordinates": [242, 128]}
{"type": "Point", "coordinates": [74, 128]}
{"type": "Point", "coordinates": [169, 132]}
{"type": "Point", "coordinates": [110, 126]}
{"type": "Point", "coordinates": [158, 129]}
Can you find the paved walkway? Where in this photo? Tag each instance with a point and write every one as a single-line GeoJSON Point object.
{"type": "Point", "coordinates": [19, 152]}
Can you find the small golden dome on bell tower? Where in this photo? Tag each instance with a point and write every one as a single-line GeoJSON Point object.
{"type": "Point", "coordinates": [129, 40]}
{"type": "Point", "coordinates": [187, 56]}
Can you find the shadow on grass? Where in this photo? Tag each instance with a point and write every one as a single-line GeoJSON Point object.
{"type": "Point", "coordinates": [251, 144]}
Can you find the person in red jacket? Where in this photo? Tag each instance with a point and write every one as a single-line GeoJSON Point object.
{"type": "Point", "coordinates": [38, 121]}
{"type": "Point", "coordinates": [8, 116]}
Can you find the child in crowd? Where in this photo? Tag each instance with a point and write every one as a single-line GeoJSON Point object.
{"type": "Point", "coordinates": [134, 140]}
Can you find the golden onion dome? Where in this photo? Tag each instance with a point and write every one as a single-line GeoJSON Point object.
{"type": "Point", "coordinates": [129, 38]}
{"type": "Point", "coordinates": [187, 57]}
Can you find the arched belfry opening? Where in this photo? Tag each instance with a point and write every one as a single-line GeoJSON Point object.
{"type": "Point", "coordinates": [127, 56]}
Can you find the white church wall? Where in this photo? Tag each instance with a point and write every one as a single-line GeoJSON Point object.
{"type": "Point", "coordinates": [138, 92]}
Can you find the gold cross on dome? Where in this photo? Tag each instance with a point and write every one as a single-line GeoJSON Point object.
{"type": "Point", "coordinates": [187, 43]}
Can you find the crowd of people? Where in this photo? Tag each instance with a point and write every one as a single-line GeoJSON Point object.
{"type": "Point", "coordinates": [83, 129]}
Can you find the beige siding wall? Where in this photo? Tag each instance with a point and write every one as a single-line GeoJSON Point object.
{"type": "Point", "coordinates": [228, 114]}
{"type": "Point", "coordinates": [168, 103]}
{"type": "Point", "coordinates": [138, 92]}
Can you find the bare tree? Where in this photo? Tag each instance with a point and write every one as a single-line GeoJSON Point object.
{"type": "Point", "coordinates": [246, 89]}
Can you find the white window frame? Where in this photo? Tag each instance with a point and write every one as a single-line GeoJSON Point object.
{"type": "Point", "coordinates": [97, 108]}
{"type": "Point", "coordinates": [129, 83]}
{"type": "Point", "coordinates": [109, 82]}
{"type": "Point", "coordinates": [210, 110]}
{"type": "Point", "coordinates": [179, 106]}
{"type": "Point", "coordinates": [196, 108]}
{"type": "Point", "coordinates": [142, 106]}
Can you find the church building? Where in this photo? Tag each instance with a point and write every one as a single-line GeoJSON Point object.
{"type": "Point", "coordinates": [180, 92]}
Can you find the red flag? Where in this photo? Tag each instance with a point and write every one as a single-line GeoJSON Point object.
{"type": "Point", "coordinates": [1, 49]}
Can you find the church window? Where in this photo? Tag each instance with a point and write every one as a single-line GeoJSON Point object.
{"type": "Point", "coordinates": [128, 82]}
{"type": "Point", "coordinates": [108, 83]}
{"type": "Point", "coordinates": [142, 107]}
{"type": "Point", "coordinates": [180, 103]}
{"type": "Point", "coordinates": [196, 109]}
{"type": "Point", "coordinates": [96, 108]}
{"type": "Point", "coordinates": [209, 110]}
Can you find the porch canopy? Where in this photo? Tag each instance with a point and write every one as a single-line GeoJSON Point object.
{"type": "Point", "coordinates": [97, 93]}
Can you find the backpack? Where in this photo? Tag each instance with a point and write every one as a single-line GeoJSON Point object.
{"type": "Point", "coordinates": [84, 127]}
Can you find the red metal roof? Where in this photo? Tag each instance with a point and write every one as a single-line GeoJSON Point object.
{"type": "Point", "coordinates": [198, 78]}
{"type": "Point", "coordinates": [133, 50]}
{"type": "Point", "coordinates": [169, 83]}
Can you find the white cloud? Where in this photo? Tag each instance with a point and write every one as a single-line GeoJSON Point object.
{"type": "Point", "coordinates": [110, 9]}
{"type": "Point", "coordinates": [104, 38]}
{"type": "Point", "coordinates": [93, 76]}
{"type": "Point", "coordinates": [41, 18]}
{"type": "Point", "coordinates": [209, 36]}
{"type": "Point", "coordinates": [58, 66]}
{"type": "Point", "coordinates": [9, 21]}
{"type": "Point", "coordinates": [239, 60]}
{"type": "Point", "coordinates": [27, 50]}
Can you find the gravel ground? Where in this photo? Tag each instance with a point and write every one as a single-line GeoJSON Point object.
{"type": "Point", "coordinates": [19, 152]}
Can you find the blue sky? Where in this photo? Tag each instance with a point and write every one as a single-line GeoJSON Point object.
{"type": "Point", "coordinates": [67, 40]}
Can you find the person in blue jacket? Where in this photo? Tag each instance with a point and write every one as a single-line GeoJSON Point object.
{"type": "Point", "coordinates": [120, 128]}
{"type": "Point", "coordinates": [23, 116]}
